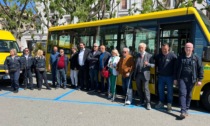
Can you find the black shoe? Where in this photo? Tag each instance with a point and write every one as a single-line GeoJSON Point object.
{"type": "Point", "coordinates": [39, 89]}
{"type": "Point", "coordinates": [31, 88]}
{"type": "Point", "coordinates": [64, 87]}
{"type": "Point", "coordinates": [48, 88]}
{"type": "Point", "coordinates": [182, 116]}
{"type": "Point", "coordinates": [16, 91]}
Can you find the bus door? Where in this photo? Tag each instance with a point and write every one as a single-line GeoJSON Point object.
{"type": "Point", "coordinates": [176, 35]}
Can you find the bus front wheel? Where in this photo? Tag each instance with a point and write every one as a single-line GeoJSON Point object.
{"type": "Point", "coordinates": [206, 98]}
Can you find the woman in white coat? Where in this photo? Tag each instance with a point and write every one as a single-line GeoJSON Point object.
{"type": "Point", "coordinates": [112, 64]}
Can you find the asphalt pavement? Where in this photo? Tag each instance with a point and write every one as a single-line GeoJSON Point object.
{"type": "Point", "coordinates": [71, 107]}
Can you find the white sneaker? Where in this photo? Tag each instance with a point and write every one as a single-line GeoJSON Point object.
{"type": "Point", "coordinates": [149, 106]}
{"type": "Point", "coordinates": [159, 105]}
{"type": "Point", "coordinates": [127, 102]}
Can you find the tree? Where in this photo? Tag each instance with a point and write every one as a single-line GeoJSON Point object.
{"type": "Point", "coordinates": [158, 5]}
{"type": "Point", "coordinates": [17, 17]}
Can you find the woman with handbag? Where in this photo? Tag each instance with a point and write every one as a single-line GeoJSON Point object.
{"type": "Point", "coordinates": [40, 66]}
{"type": "Point", "coordinates": [12, 67]}
{"type": "Point", "coordinates": [112, 65]}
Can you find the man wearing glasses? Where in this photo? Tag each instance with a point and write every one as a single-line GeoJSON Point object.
{"type": "Point", "coordinates": [27, 66]}
{"type": "Point", "coordinates": [93, 59]}
{"type": "Point", "coordinates": [125, 68]}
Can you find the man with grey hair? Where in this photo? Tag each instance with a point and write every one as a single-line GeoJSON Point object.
{"type": "Point", "coordinates": [144, 62]}
{"type": "Point", "coordinates": [93, 61]}
{"type": "Point", "coordinates": [12, 67]}
{"type": "Point", "coordinates": [125, 68]}
{"type": "Point", "coordinates": [61, 69]}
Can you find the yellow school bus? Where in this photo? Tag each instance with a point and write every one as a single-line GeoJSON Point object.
{"type": "Point", "coordinates": [175, 27]}
{"type": "Point", "coordinates": [7, 42]}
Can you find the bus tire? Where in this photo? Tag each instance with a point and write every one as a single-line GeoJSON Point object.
{"type": "Point", "coordinates": [206, 98]}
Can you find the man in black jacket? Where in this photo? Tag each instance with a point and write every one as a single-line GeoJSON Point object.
{"type": "Point", "coordinates": [83, 66]}
{"type": "Point", "coordinates": [93, 59]}
{"type": "Point", "coordinates": [27, 66]}
{"type": "Point", "coordinates": [189, 70]}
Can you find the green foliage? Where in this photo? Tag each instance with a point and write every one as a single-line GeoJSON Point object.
{"type": "Point", "coordinates": [17, 16]}
{"type": "Point", "coordinates": [147, 6]}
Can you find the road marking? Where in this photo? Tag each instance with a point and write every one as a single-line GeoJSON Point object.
{"type": "Point", "coordinates": [65, 94]}
{"type": "Point", "coordinates": [9, 92]}
{"type": "Point", "coordinates": [57, 99]}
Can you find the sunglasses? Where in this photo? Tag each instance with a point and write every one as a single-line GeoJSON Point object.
{"type": "Point", "coordinates": [124, 52]}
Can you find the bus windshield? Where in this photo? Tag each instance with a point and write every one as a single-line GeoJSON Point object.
{"type": "Point", "coordinates": [6, 45]}
{"type": "Point", "coordinates": [205, 20]}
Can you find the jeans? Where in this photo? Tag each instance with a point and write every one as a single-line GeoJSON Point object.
{"type": "Point", "coordinates": [61, 77]}
{"type": "Point", "coordinates": [126, 81]}
{"type": "Point", "coordinates": [54, 75]}
{"type": "Point", "coordinates": [185, 94]}
{"type": "Point", "coordinates": [14, 77]}
{"type": "Point", "coordinates": [112, 80]}
{"type": "Point", "coordinates": [143, 88]}
{"type": "Point", "coordinates": [127, 88]}
{"type": "Point", "coordinates": [93, 79]}
{"type": "Point", "coordinates": [74, 77]}
{"type": "Point", "coordinates": [168, 81]}
{"type": "Point", "coordinates": [28, 76]}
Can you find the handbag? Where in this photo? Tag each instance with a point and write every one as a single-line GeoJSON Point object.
{"type": "Point", "coordinates": [105, 72]}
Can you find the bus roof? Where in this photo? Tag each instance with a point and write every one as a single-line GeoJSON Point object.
{"type": "Point", "coordinates": [6, 35]}
{"type": "Point", "coordinates": [139, 17]}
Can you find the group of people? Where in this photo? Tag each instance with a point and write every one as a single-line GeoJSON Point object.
{"type": "Point", "coordinates": [23, 66]}
{"type": "Point", "coordinates": [87, 66]}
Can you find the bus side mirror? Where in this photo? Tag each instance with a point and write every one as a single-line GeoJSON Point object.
{"type": "Point", "coordinates": [206, 54]}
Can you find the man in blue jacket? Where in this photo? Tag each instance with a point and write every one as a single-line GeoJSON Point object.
{"type": "Point", "coordinates": [189, 70]}
{"type": "Point", "coordinates": [61, 69]}
{"type": "Point", "coordinates": [52, 65]}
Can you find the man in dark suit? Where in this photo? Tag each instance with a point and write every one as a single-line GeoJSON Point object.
{"type": "Point", "coordinates": [83, 65]}
{"type": "Point", "coordinates": [144, 62]}
{"type": "Point", "coordinates": [93, 59]}
{"type": "Point", "coordinates": [103, 61]}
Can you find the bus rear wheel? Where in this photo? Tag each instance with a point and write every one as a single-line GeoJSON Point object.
{"type": "Point", "coordinates": [206, 98]}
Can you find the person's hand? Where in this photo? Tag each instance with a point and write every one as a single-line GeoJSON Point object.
{"type": "Point", "coordinates": [199, 83]}
{"type": "Point", "coordinates": [146, 63]}
{"type": "Point", "coordinates": [175, 82]}
{"type": "Point", "coordinates": [111, 65]}
{"type": "Point", "coordinates": [6, 71]}
{"type": "Point", "coordinates": [127, 74]}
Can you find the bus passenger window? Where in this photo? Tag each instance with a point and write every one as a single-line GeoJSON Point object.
{"type": "Point", "coordinates": [147, 36]}
{"type": "Point", "coordinates": [88, 40]}
{"type": "Point", "coordinates": [64, 41]}
{"type": "Point", "coordinates": [52, 40]}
